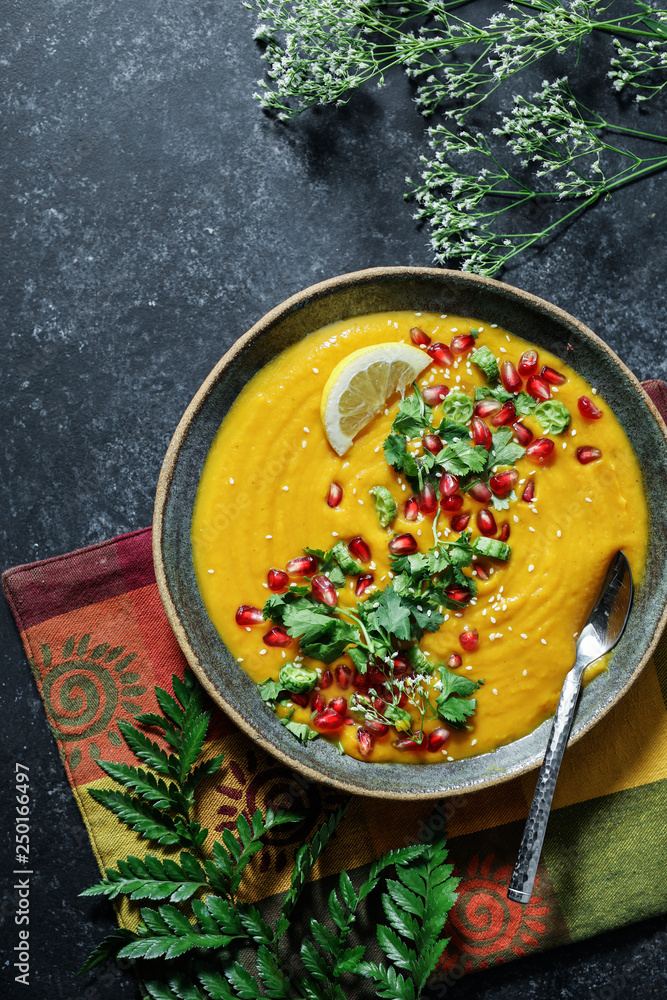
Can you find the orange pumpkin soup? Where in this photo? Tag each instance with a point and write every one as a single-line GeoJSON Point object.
{"type": "Point", "coordinates": [425, 589]}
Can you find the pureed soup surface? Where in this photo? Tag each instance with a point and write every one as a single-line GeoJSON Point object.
{"type": "Point", "coordinates": [263, 495]}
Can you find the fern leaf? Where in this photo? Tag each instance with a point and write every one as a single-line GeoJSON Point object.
{"type": "Point", "coordinates": [148, 752]}
{"type": "Point", "coordinates": [107, 948]}
{"type": "Point", "coordinates": [395, 949]}
{"type": "Point", "coordinates": [306, 857]}
{"type": "Point", "coordinates": [171, 733]}
{"type": "Point", "coordinates": [150, 823]}
{"type": "Point", "coordinates": [405, 898]}
{"type": "Point", "coordinates": [161, 795]}
{"type": "Point", "coordinates": [215, 984]}
{"type": "Point", "coordinates": [276, 984]}
{"type": "Point", "coordinates": [246, 987]}
{"type": "Point", "coordinates": [170, 707]}
{"type": "Point", "coordinates": [314, 962]}
{"type": "Point", "coordinates": [255, 925]}
{"type": "Point", "coordinates": [389, 984]}
{"type": "Point", "coordinates": [194, 733]}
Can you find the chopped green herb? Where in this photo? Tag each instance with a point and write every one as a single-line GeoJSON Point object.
{"type": "Point", "coordinates": [413, 415]}
{"type": "Point", "coordinates": [346, 562]}
{"type": "Point", "coordinates": [460, 459]}
{"type": "Point", "coordinates": [491, 547]}
{"type": "Point", "coordinates": [457, 406]}
{"type": "Point", "coordinates": [301, 730]}
{"type": "Point", "coordinates": [504, 451]}
{"type": "Point", "coordinates": [485, 360]}
{"type": "Point", "coordinates": [386, 507]}
{"type": "Point", "coordinates": [453, 703]}
{"type": "Point", "coordinates": [524, 403]}
{"type": "Point", "coordinates": [297, 680]}
{"type": "Point", "coordinates": [395, 446]}
{"type": "Point", "coordinates": [553, 416]}
{"type": "Point", "coordinates": [269, 690]}
{"type": "Point", "coordinates": [329, 565]}
{"type": "Point", "coordinates": [497, 392]}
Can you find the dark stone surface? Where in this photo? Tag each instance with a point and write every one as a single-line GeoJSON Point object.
{"type": "Point", "coordinates": [151, 215]}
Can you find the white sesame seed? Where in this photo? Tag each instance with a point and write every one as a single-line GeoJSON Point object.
{"type": "Point", "coordinates": [360, 502]}
{"type": "Point", "coordinates": [588, 500]}
{"type": "Point", "coordinates": [262, 652]}
{"type": "Point", "coordinates": [531, 568]}
{"type": "Point", "coordinates": [516, 519]}
{"type": "Point", "coordinates": [468, 668]}
{"type": "Point", "coordinates": [492, 637]}
{"type": "Point", "coordinates": [595, 392]}
{"type": "Point", "coordinates": [564, 445]}
{"type": "Point", "coordinates": [286, 489]}
{"type": "Point", "coordinates": [473, 743]}
{"type": "Point", "coordinates": [303, 444]}
{"type": "Point", "coordinates": [334, 534]}
{"type": "Point", "coordinates": [495, 690]}
{"type": "Point", "coordinates": [316, 371]}
{"type": "Point", "coordinates": [239, 659]}
{"type": "Point", "coordinates": [455, 329]}
{"type": "Point", "coordinates": [269, 536]}
{"type": "Point", "coordinates": [573, 432]}
{"type": "Point", "coordinates": [211, 571]}
{"type": "Point", "coordinates": [419, 531]}
{"type": "Point", "coordinates": [284, 653]}
{"type": "Point", "coordinates": [525, 673]}
{"type": "Point", "coordinates": [503, 350]}
{"type": "Point", "coordinates": [523, 635]}
{"type": "Point", "coordinates": [377, 449]}
{"type": "Point", "coordinates": [417, 314]}
{"type": "Point", "coordinates": [386, 412]}
{"type": "Point", "coordinates": [231, 481]}
{"type": "Point", "coordinates": [306, 430]}
{"type": "Point", "coordinates": [494, 326]}
{"type": "Point", "coordinates": [493, 620]}
{"type": "Point", "coordinates": [543, 641]}
{"type": "Point", "coordinates": [559, 534]}
{"type": "Point", "coordinates": [266, 586]}
{"type": "Point", "coordinates": [531, 528]}
{"type": "Point", "coordinates": [345, 465]}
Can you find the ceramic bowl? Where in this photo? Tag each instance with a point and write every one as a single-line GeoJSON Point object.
{"type": "Point", "coordinates": [375, 290]}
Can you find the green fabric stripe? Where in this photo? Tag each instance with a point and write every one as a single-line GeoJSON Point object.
{"type": "Point", "coordinates": [660, 660]}
{"type": "Point", "coordinates": [606, 859]}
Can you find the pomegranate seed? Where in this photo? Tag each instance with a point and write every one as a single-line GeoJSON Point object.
{"type": "Point", "coordinates": [360, 681]}
{"type": "Point", "coordinates": [588, 409]}
{"type": "Point", "coordinates": [428, 500]}
{"type": "Point", "coordinates": [277, 636]}
{"type": "Point", "coordinates": [552, 376]}
{"type": "Point", "coordinates": [481, 433]}
{"type": "Point", "coordinates": [528, 363]}
{"type": "Point", "coordinates": [376, 676]}
{"type": "Point", "coordinates": [486, 522]}
{"type": "Point", "coordinates": [437, 739]}
{"type": "Point", "coordinates": [503, 482]}
{"type": "Point", "coordinates": [339, 705]}
{"type": "Point", "coordinates": [432, 443]}
{"type": "Point", "coordinates": [376, 728]}
{"type": "Point", "coordinates": [459, 522]}
{"type": "Point", "coordinates": [326, 680]}
{"type": "Point", "coordinates": [482, 572]}
{"type": "Point", "coordinates": [588, 454]}
{"type": "Point", "coordinates": [277, 579]}
{"type": "Point", "coordinates": [459, 594]}
{"type": "Point", "coordinates": [480, 492]}
{"type": "Point", "coordinates": [434, 394]}
{"type": "Point", "coordinates": [366, 742]}
{"type": "Point", "coordinates": [452, 503]}
{"type": "Point", "coordinates": [462, 343]}
{"type": "Point", "coordinates": [528, 494]}
{"type": "Point", "coordinates": [343, 675]}
{"type": "Point", "coordinates": [454, 661]}
{"type": "Point", "coordinates": [448, 484]}
{"type": "Point", "coordinates": [505, 415]}
{"type": "Point", "coordinates": [328, 721]}
{"type": "Point", "coordinates": [403, 545]}
{"type": "Point", "coordinates": [487, 407]}
{"type": "Point", "coordinates": [411, 509]}
{"type": "Point", "coordinates": [359, 549]}
{"type": "Point", "coordinates": [406, 742]}
{"type": "Point", "coordinates": [302, 566]}
{"type": "Point", "coordinates": [249, 615]}
{"type": "Point", "coordinates": [335, 494]}
{"type": "Point", "coordinates": [299, 699]}
{"type": "Point", "coordinates": [363, 583]}
{"type": "Point", "coordinates": [523, 434]}
{"type": "Point", "coordinates": [403, 700]}
{"type": "Point", "coordinates": [510, 377]}
{"type": "Point", "coordinates": [380, 706]}
{"type": "Point", "coordinates": [504, 532]}
{"type": "Point", "coordinates": [440, 353]}
{"type": "Point", "coordinates": [349, 722]}
{"type": "Point", "coordinates": [469, 639]}
{"type": "Point", "coordinates": [419, 338]}
{"type": "Point", "coordinates": [401, 663]}
{"type": "Point", "coordinates": [319, 704]}
{"type": "Point", "coordinates": [324, 590]}
{"type": "Point", "coordinates": [540, 448]}
{"type": "Point", "coordinates": [538, 388]}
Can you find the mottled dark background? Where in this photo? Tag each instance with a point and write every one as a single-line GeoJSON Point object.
{"type": "Point", "coordinates": [151, 214]}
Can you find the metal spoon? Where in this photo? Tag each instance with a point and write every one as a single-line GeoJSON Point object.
{"type": "Point", "coordinates": [599, 635]}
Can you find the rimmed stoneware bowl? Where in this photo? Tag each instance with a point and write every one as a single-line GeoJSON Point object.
{"type": "Point", "coordinates": [375, 290]}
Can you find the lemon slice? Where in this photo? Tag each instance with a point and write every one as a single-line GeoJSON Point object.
{"type": "Point", "coordinates": [360, 385]}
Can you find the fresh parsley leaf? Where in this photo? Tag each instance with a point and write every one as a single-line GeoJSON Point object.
{"type": "Point", "coordinates": [392, 614]}
{"type": "Point", "coordinates": [524, 403]}
{"type": "Point", "coordinates": [453, 703]}
{"type": "Point", "coordinates": [504, 451]}
{"type": "Point", "coordinates": [460, 459]}
{"type": "Point", "coordinates": [413, 415]}
{"type": "Point", "coordinates": [398, 717]}
{"type": "Point", "coordinates": [495, 392]}
{"type": "Point", "coordinates": [394, 447]}
{"type": "Point", "coordinates": [322, 635]}
{"type": "Point", "coordinates": [269, 690]}
{"type": "Point", "coordinates": [450, 431]}
{"type": "Point", "coordinates": [301, 730]}
{"type": "Point", "coordinates": [329, 565]}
